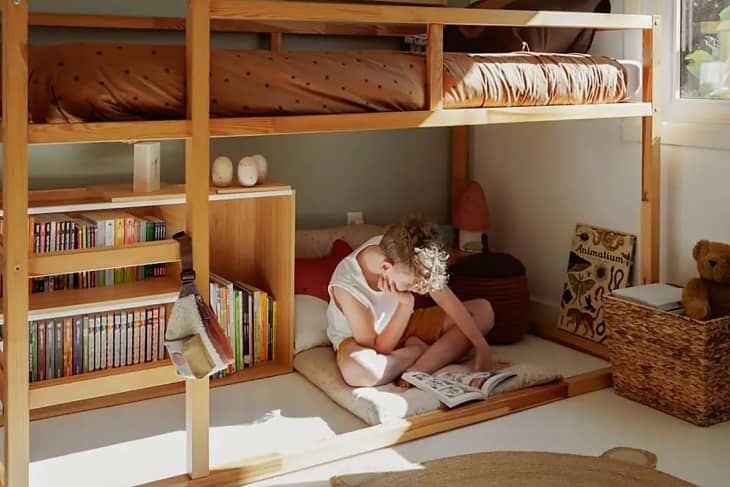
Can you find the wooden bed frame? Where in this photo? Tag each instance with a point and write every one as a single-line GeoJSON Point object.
{"type": "Point", "coordinates": [278, 19]}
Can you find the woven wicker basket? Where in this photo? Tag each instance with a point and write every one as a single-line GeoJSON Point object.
{"type": "Point", "coordinates": [670, 362]}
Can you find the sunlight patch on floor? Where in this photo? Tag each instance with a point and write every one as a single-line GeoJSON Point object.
{"type": "Point", "coordinates": [121, 464]}
{"type": "Point", "coordinates": [231, 443]}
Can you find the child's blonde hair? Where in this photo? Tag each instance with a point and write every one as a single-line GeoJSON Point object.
{"type": "Point", "coordinates": [417, 244]}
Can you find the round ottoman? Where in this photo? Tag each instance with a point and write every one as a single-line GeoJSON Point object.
{"type": "Point", "coordinates": [501, 279]}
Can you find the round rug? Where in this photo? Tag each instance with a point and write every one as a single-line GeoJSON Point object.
{"type": "Point", "coordinates": [525, 469]}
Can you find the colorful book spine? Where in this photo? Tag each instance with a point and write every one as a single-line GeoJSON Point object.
{"type": "Point", "coordinates": [67, 347]}
{"type": "Point", "coordinates": [33, 359]}
{"type": "Point", "coordinates": [78, 349]}
{"type": "Point", "coordinates": [120, 342]}
{"type": "Point", "coordinates": [148, 335]}
{"type": "Point", "coordinates": [58, 349]}
{"type": "Point", "coordinates": [88, 345]}
{"type": "Point", "coordinates": [100, 355]}
{"type": "Point", "coordinates": [50, 350]}
{"type": "Point", "coordinates": [93, 345]}
{"type": "Point", "coordinates": [41, 351]}
{"type": "Point", "coordinates": [130, 338]}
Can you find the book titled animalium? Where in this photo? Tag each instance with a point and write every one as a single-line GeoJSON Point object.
{"type": "Point", "coordinates": [600, 261]}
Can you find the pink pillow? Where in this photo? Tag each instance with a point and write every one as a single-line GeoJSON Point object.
{"type": "Point", "coordinates": [312, 274]}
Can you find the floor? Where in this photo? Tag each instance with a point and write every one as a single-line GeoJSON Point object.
{"type": "Point", "coordinates": [136, 443]}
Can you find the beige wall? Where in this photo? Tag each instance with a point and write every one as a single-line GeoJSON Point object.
{"type": "Point", "coordinates": [384, 174]}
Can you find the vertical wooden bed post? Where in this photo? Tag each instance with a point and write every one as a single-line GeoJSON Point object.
{"type": "Point", "coordinates": [15, 394]}
{"type": "Point", "coordinates": [197, 155]}
{"type": "Point", "coordinates": [650, 159]}
{"type": "Point", "coordinates": [459, 159]}
{"type": "Point", "coordinates": [435, 67]}
{"type": "Point", "coordinates": [276, 41]}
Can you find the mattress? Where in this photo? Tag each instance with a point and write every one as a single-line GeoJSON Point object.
{"type": "Point", "coordinates": [376, 405]}
{"type": "Point", "coordinates": [84, 82]}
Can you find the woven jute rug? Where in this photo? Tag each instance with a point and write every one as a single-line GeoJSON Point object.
{"type": "Point", "coordinates": [618, 467]}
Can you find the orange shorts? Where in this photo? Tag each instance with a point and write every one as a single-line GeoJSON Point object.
{"type": "Point", "coordinates": [425, 323]}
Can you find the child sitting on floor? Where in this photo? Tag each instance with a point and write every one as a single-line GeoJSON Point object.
{"type": "Point", "coordinates": [372, 324]}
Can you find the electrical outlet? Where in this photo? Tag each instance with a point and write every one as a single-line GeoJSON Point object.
{"type": "Point", "coordinates": [355, 218]}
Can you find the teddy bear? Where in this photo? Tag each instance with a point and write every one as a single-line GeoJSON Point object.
{"type": "Point", "coordinates": [708, 296]}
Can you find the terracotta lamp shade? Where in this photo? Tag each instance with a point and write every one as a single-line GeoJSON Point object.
{"type": "Point", "coordinates": [472, 212]}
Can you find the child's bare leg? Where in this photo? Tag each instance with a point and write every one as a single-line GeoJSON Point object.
{"type": "Point", "coordinates": [453, 344]}
{"type": "Point", "coordinates": [364, 367]}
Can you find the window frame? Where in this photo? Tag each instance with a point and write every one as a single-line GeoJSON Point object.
{"type": "Point", "coordinates": [684, 122]}
{"type": "Point", "coordinates": [692, 110]}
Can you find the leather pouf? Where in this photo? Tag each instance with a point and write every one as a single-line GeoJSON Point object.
{"type": "Point", "coordinates": [501, 279]}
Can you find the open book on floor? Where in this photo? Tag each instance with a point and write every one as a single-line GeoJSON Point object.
{"type": "Point", "coordinates": [454, 388]}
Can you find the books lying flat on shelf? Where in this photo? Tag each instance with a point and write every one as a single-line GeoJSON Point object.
{"type": "Point", "coordinates": [658, 295]}
{"type": "Point", "coordinates": [454, 388]}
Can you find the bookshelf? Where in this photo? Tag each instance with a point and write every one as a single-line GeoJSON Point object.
{"type": "Point", "coordinates": [251, 232]}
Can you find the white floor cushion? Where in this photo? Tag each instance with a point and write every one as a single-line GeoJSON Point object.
{"type": "Point", "coordinates": [376, 405]}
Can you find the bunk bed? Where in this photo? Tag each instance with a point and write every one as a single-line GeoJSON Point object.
{"type": "Point", "coordinates": [274, 250]}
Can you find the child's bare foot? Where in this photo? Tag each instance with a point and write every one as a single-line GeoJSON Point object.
{"type": "Point", "coordinates": [416, 342]}
{"type": "Point", "coordinates": [401, 383]}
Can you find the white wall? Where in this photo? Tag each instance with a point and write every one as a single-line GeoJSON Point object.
{"type": "Point", "coordinates": [542, 179]}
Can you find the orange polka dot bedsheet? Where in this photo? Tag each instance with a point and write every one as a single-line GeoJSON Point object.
{"type": "Point", "coordinates": [83, 82]}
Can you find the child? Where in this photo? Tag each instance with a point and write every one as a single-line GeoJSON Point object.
{"type": "Point", "coordinates": [372, 325]}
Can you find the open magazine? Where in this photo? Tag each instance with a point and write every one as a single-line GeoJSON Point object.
{"type": "Point", "coordinates": [454, 388]}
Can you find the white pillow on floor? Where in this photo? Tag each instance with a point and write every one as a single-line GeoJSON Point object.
{"type": "Point", "coordinates": [310, 323]}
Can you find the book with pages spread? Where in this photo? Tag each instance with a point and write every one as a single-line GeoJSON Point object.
{"type": "Point", "coordinates": [455, 388]}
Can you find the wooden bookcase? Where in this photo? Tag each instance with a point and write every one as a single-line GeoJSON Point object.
{"type": "Point", "coordinates": [251, 240]}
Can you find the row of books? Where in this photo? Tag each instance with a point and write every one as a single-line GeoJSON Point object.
{"type": "Point", "coordinates": [248, 317]}
{"type": "Point", "coordinates": [62, 347]}
{"type": "Point", "coordinates": [57, 232]}
{"type": "Point", "coordinates": [60, 232]}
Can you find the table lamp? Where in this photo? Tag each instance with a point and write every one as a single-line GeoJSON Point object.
{"type": "Point", "coordinates": [471, 218]}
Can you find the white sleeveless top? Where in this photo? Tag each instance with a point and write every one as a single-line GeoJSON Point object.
{"type": "Point", "coordinates": [349, 276]}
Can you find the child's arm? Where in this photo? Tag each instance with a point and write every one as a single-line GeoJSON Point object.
{"type": "Point", "coordinates": [388, 339]}
{"type": "Point", "coordinates": [363, 326]}
{"type": "Point", "coordinates": [456, 310]}
{"type": "Point", "coordinates": [358, 317]}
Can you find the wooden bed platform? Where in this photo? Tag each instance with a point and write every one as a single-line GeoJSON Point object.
{"type": "Point", "coordinates": [19, 398]}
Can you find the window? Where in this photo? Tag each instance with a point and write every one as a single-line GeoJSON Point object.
{"type": "Point", "coordinates": [694, 70]}
{"type": "Point", "coordinates": [704, 49]}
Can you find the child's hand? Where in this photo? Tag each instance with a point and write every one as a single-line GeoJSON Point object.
{"type": "Point", "coordinates": [387, 286]}
{"type": "Point", "coordinates": [484, 362]}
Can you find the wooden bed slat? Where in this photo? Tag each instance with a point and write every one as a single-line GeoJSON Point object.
{"type": "Point", "coordinates": [233, 127]}
{"type": "Point", "coordinates": [131, 22]}
{"type": "Point", "coordinates": [301, 124]}
{"type": "Point", "coordinates": [592, 381]}
{"type": "Point", "coordinates": [396, 14]}
{"type": "Point", "coordinates": [57, 133]}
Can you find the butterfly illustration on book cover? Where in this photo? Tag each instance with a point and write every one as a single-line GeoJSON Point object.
{"type": "Point", "coordinates": [600, 261]}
